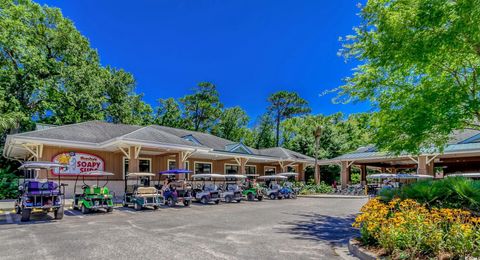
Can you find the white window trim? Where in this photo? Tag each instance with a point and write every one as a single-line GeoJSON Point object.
{"type": "Point", "coordinates": [123, 164]}
{"type": "Point", "coordinates": [254, 166]}
{"type": "Point", "coordinates": [186, 166]}
{"type": "Point", "coordinates": [168, 163]}
{"type": "Point", "coordinates": [269, 167]}
{"type": "Point", "coordinates": [230, 164]}
{"type": "Point", "coordinates": [195, 166]}
{"type": "Point", "coordinates": [294, 167]}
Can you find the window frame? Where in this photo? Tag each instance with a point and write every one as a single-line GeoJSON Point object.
{"type": "Point", "coordinates": [200, 162]}
{"type": "Point", "coordinates": [142, 158]}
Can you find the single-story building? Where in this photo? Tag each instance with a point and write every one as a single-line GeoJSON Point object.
{"type": "Point", "coordinates": [120, 148]}
{"type": "Point", "coordinates": [460, 155]}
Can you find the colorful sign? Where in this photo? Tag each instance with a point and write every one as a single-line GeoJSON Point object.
{"type": "Point", "coordinates": [78, 163]}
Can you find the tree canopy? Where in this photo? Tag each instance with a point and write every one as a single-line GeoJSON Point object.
{"type": "Point", "coordinates": [420, 65]}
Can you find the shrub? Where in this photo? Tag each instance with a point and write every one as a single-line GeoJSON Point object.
{"type": "Point", "coordinates": [315, 189]}
{"type": "Point", "coordinates": [8, 184]}
{"type": "Point", "coordinates": [457, 192]}
{"type": "Point", "coordinates": [408, 229]}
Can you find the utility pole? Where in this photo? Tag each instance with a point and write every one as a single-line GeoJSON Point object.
{"type": "Point", "coordinates": [317, 133]}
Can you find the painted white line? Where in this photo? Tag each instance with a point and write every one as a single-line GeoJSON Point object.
{"type": "Point", "coordinates": [130, 212]}
{"type": "Point", "coordinates": [75, 213]}
{"type": "Point", "coordinates": [9, 218]}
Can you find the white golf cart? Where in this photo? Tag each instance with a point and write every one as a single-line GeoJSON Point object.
{"type": "Point", "coordinates": [205, 189]}
{"type": "Point", "coordinates": [272, 185]}
{"type": "Point", "coordinates": [230, 190]}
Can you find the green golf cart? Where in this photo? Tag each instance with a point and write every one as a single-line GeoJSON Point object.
{"type": "Point", "coordinates": [141, 194]}
{"type": "Point", "coordinates": [93, 197]}
{"type": "Point", "coordinates": [252, 190]}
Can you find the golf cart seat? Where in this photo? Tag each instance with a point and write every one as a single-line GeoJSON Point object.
{"type": "Point", "coordinates": [42, 188]}
{"type": "Point", "coordinates": [232, 187]}
{"type": "Point", "coordinates": [146, 191]}
{"type": "Point", "coordinates": [211, 187]}
{"type": "Point", "coordinates": [93, 190]}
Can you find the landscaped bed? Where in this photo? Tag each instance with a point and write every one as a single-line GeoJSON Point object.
{"type": "Point", "coordinates": [425, 225]}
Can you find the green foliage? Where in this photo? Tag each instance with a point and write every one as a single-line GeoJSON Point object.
{"type": "Point", "coordinates": [457, 192]}
{"type": "Point", "coordinates": [203, 107]}
{"type": "Point", "coordinates": [284, 105]}
{"type": "Point", "coordinates": [263, 133]}
{"type": "Point", "coordinates": [169, 113]}
{"type": "Point", "coordinates": [8, 184]}
{"type": "Point", "coordinates": [312, 188]}
{"type": "Point", "coordinates": [232, 124]}
{"type": "Point", "coordinates": [420, 61]}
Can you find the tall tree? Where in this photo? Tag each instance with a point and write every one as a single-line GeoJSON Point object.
{"type": "Point", "coordinates": [420, 65]}
{"type": "Point", "coordinates": [283, 105]}
{"type": "Point", "coordinates": [232, 124]}
{"type": "Point", "coordinates": [203, 107]}
{"type": "Point", "coordinates": [169, 113]}
{"type": "Point", "coordinates": [263, 133]}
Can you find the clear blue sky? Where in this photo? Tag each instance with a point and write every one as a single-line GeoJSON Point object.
{"type": "Point", "coordinates": [248, 48]}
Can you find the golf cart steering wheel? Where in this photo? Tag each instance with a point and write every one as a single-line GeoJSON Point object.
{"type": "Point", "coordinates": [84, 186]}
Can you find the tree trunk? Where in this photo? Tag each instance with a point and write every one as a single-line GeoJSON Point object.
{"type": "Point", "coordinates": [277, 139]}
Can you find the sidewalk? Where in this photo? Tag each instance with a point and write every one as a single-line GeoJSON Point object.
{"type": "Point", "coordinates": [333, 196]}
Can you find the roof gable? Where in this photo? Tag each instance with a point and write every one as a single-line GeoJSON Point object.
{"type": "Point", "coordinates": [238, 148]}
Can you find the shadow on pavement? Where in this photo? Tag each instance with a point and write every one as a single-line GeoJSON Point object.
{"type": "Point", "coordinates": [335, 230]}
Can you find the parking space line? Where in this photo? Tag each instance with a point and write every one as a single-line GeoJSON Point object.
{"type": "Point", "coordinates": [9, 218]}
{"type": "Point", "coordinates": [75, 213]}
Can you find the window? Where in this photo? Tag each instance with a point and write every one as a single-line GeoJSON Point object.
{"type": "Point", "coordinates": [144, 165]}
{"type": "Point", "coordinates": [250, 169]}
{"type": "Point", "coordinates": [231, 169]}
{"type": "Point", "coordinates": [269, 170]}
{"type": "Point", "coordinates": [292, 169]}
{"type": "Point", "coordinates": [172, 165]}
{"type": "Point", "coordinates": [201, 167]}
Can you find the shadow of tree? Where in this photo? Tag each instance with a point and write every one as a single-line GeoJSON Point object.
{"type": "Point", "coordinates": [336, 230]}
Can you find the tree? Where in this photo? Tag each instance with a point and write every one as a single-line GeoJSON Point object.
{"type": "Point", "coordinates": [263, 133]}
{"type": "Point", "coordinates": [232, 124]}
{"type": "Point", "coordinates": [203, 107]}
{"type": "Point", "coordinates": [283, 105]}
{"type": "Point", "coordinates": [420, 65]}
{"type": "Point", "coordinates": [169, 113]}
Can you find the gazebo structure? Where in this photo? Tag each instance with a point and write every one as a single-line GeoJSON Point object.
{"type": "Point", "coordinates": [460, 155]}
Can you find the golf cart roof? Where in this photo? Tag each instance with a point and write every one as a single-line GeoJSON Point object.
{"type": "Point", "coordinates": [95, 173]}
{"type": "Point", "coordinates": [175, 171]}
{"type": "Point", "coordinates": [37, 165]}
{"type": "Point", "coordinates": [288, 174]}
{"type": "Point", "coordinates": [140, 174]}
{"type": "Point", "coordinates": [234, 176]}
{"type": "Point", "coordinates": [465, 174]}
{"type": "Point", "coordinates": [252, 175]}
{"type": "Point", "coordinates": [272, 177]}
{"type": "Point", "coordinates": [207, 176]}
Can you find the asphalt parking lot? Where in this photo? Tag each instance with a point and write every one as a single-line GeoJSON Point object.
{"type": "Point", "coordinates": [306, 228]}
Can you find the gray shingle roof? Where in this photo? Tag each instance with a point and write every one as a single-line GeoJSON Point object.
{"type": "Point", "coordinates": [151, 134]}
{"type": "Point", "coordinates": [283, 153]}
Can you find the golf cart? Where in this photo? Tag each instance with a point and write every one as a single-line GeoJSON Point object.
{"type": "Point", "coordinates": [272, 186]}
{"type": "Point", "coordinates": [141, 194]}
{"type": "Point", "coordinates": [252, 190]}
{"type": "Point", "coordinates": [93, 197]}
{"type": "Point", "coordinates": [287, 190]}
{"type": "Point", "coordinates": [35, 194]}
{"type": "Point", "coordinates": [206, 192]}
{"type": "Point", "coordinates": [231, 191]}
{"type": "Point", "coordinates": [175, 191]}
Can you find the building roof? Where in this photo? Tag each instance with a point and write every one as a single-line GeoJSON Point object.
{"type": "Point", "coordinates": [460, 141]}
{"type": "Point", "coordinates": [99, 132]}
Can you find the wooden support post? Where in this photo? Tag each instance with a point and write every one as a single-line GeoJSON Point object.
{"type": "Point", "coordinates": [301, 172]}
{"type": "Point", "coordinates": [180, 163]}
{"type": "Point", "coordinates": [422, 164]}
{"type": "Point", "coordinates": [132, 160]}
{"type": "Point", "coordinates": [363, 174]}
{"type": "Point", "coordinates": [345, 174]}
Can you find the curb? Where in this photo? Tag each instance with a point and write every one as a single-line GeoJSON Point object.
{"type": "Point", "coordinates": [355, 249]}
{"type": "Point", "coordinates": [333, 196]}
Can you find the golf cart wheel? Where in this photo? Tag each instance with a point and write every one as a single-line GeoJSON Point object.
{"type": "Point", "coordinates": [155, 207]}
{"type": "Point", "coordinates": [109, 209]}
{"type": "Point", "coordinates": [18, 210]}
{"type": "Point", "coordinates": [170, 202]}
{"type": "Point", "coordinates": [84, 209]}
{"type": "Point", "coordinates": [250, 196]}
{"type": "Point", "coordinates": [125, 205]}
{"type": "Point", "coordinates": [228, 199]}
{"type": "Point", "coordinates": [26, 215]}
{"type": "Point", "coordinates": [217, 201]}
{"type": "Point", "coordinates": [260, 198]}
{"type": "Point", "coordinates": [238, 201]}
{"type": "Point", "coordinates": [58, 213]}
{"type": "Point", "coordinates": [293, 196]}
{"type": "Point", "coordinates": [204, 200]}
{"type": "Point", "coordinates": [137, 206]}
{"type": "Point", "coordinates": [73, 205]}
{"type": "Point", "coordinates": [186, 203]}
{"type": "Point", "coordinates": [272, 196]}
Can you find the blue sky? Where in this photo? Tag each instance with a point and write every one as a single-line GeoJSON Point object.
{"type": "Point", "coordinates": [248, 48]}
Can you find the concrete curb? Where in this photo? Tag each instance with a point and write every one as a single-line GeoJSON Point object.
{"type": "Point", "coordinates": [333, 196]}
{"type": "Point", "coordinates": [356, 250]}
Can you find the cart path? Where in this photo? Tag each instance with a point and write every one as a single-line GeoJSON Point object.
{"type": "Point", "coordinates": [306, 228]}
